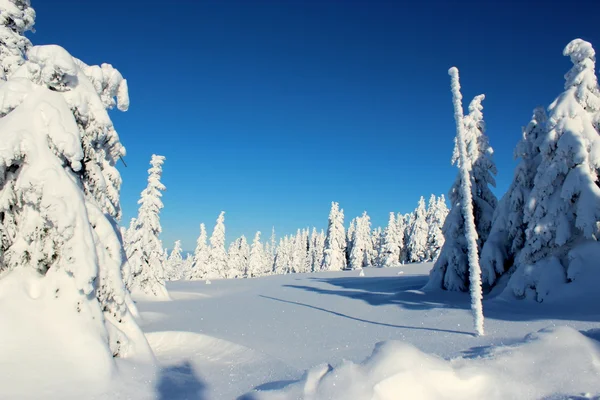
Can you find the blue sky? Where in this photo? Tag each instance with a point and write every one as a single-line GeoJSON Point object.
{"type": "Point", "coordinates": [270, 110]}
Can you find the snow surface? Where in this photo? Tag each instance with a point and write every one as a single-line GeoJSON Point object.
{"type": "Point", "coordinates": [256, 338]}
{"type": "Point", "coordinates": [226, 339]}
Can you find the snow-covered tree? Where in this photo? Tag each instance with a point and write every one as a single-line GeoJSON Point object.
{"type": "Point", "coordinates": [335, 243]}
{"type": "Point", "coordinates": [144, 248]}
{"type": "Point", "coordinates": [417, 239]}
{"type": "Point", "coordinates": [563, 208]}
{"type": "Point", "coordinates": [375, 251]}
{"type": "Point", "coordinates": [54, 234]}
{"type": "Point", "coordinates": [16, 18]}
{"type": "Point", "coordinates": [401, 230]}
{"type": "Point", "coordinates": [409, 220]}
{"type": "Point", "coordinates": [200, 261]}
{"type": "Point", "coordinates": [349, 239]}
{"type": "Point", "coordinates": [451, 271]}
{"type": "Point", "coordinates": [437, 212]}
{"type": "Point", "coordinates": [257, 258]}
{"type": "Point", "coordinates": [217, 256]}
{"type": "Point", "coordinates": [174, 264]}
{"type": "Point", "coordinates": [237, 258]}
{"type": "Point", "coordinates": [361, 243]}
{"type": "Point", "coordinates": [465, 199]}
{"type": "Point", "coordinates": [390, 254]}
{"type": "Point", "coordinates": [507, 235]}
{"type": "Point", "coordinates": [282, 257]}
{"type": "Point", "coordinates": [316, 248]}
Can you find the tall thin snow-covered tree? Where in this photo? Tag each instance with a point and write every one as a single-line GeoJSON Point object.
{"type": "Point", "coordinates": [257, 258]}
{"type": "Point", "coordinates": [144, 250]}
{"type": "Point", "coordinates": [200, 260]}
{"type": "Point", "coordinates": [464, 198]}
{"type": "Point", "coordinates": [174, 264]}
{"type": "Point", "coordinates": [53, 234]}
{"type": "Point", "coordinates": [282, 257]}
{"type": "Point", "coordinates": [350, 239]}
{"type": "Point", "coordinates": [437, 212]}
{"type": "Point", "coordinates": [375, 250]}
{"type": "Point", "coordinates": [563, 208]}
{"type": "Point", "coordinates": [507, 235]}
{"type": "Point", "coordinates": [417, 238]}
{"type": "Point", "coordinates": [390, 256]}
{"type": "Point", "coordinates": [317, 246]}
{"type": "Point", "coordinates": [361, 243]}
{"type": "Point", "coordinates": [401, 232]}
{"type": "Point", "coordinates": [409, 220]}
{"type": "Point", "coordinates": [217, 256]}
{"type": "Point", "coordinates": [451, 271]}
{"type": "Point", "coordinates": [334, 258]}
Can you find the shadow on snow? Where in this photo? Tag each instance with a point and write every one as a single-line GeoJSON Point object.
{"type": "Point", "coordinates": [180, 382]}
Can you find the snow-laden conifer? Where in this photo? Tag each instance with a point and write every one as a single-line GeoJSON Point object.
{"type": "Point", "coordinates": [257, 258]}
{"type": "Point", "coordinates": [451, 271]}
{"type": "Point", "coordinates": [16, 18]}
{"type": "Point", "coordinates": [563, 209]}
{"type": "Point", "coordinates": [390, 256]}
{"type": "Point", "coordinates": [199, 268]}
{"type": "Point", "coordinates": [463, 223]}
{"type": "Point", "coordinates": [217, 256]}
{"type": "Point", "coordinates": [334, 258]}
{"type": "Point", "coordinates": [417, 238]}
{"type": "Point", "coordinates": [507, 235]}
{"type": "Point", "coordinates": [436, 216]}
{"type": "Point", "coordinates": [145, 250]}
{"type": "Point", "coordinates": [54, 233]}
{"type": "Point", "coordinates": [361, 243]}
{"type": "Point", "coordinates": [174, 264]}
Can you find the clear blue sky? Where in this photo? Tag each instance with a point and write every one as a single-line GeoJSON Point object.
{"type": "Point", "coordinates": [270, 110]}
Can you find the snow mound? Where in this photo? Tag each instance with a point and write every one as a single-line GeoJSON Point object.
{"type": "Point", "coordinates": [557, 362]}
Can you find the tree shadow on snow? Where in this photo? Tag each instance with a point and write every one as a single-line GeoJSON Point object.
{"type": "Point", "coordinates": [404, 291]}
{"type": "Point", "coordinates": [180, 382]}
{"type": "Point", "coordinates": [421, 328]}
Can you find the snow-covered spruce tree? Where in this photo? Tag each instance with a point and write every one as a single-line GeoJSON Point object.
{"type": "Point", "coordinates": [16, 18]}
{"type": "Point", "coordinates": [563, 208]}
{"type": "Point", "coordinates": [55, 236]}
{"type": "Point", "coordinates": [217, 256]}
{"type": "Point", "coordinates": [461, 226]}
{"type": "Point", "coordinates": [376, 251]}
{"type": "Point", "coordinates": [316, 248]}
{"type": "Point", "coordinates": [400, 229]}
{"type": "Point", "coordinates": [507, 235]}
{"type": "Point", "coordinates": [409, 220]}
{"type": "Point", "coordinates": [144, 248]}
{"type": "Point", "coordinates": [361, 243]}
{"type": "Point", "coordinates": [390, 256]}
{"type": "Point", "coordinates": [436, 216]}
{"type": "Point", "coordinates": [257, 258]}
{"type": "Point", "coordinates": [451, 271]}
{"type": "Point", "coordinates": [282, 257]}
{"type": "Point", "coordinates": [200, 261]}
{"type": "Point", "coordinates": [174, 264]}
{"type": "Point", "coordinates": [334, 258]}
{"type": "Point", "coordinates": [417, 238]}
{"type": "Point", "coordinates": [350, 239]}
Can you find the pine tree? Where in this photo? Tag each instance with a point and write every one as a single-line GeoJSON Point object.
{"type": "Point", "coordinates": [390, 256]}
{"type": "Point", "coordinates": [53, 230]}
{"type": "Point", "coordinates": [361, 243]}
{"type": "Point", "coordinates": [334, 258]}
{"type": "Point", "coordinates": [417, 243]}
{"type": "Point", "coordinates": [409, 220]}
{"type": "Point", "coordinates": [16, 18]}
{"type": "Point", "coordinates": [400, 231]}
{"type": "Point", "coordinates": [463, 224]}
{"type": "Point", "coordinates": [174, 264]}
{"type": "Point", "coordinates": [563, 210]}
{"type": "Point", "coordinates": [376, 251]}
{"type": "Point", "coordinates": [145, 251]}
{"type": "Point", "coordinates": [507, 235]}
{"type": "Point", "coordinates": [217, 256]}
{"type": "Point", "coordinates": [350, 239]}
{"type": "Point", "coordinates": [436, 216]}
{"type": "Point", "coordinates": [282, 257]}
{"type": "Point", "coordinates": [256, 263]}
{"type": "Point", "coordinates": [451, 271]}
{"type": "Point", "coordinates": [201, 254]}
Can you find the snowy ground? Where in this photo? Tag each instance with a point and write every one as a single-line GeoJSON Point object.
{"type": "Point", "coordinates": [223, 340]}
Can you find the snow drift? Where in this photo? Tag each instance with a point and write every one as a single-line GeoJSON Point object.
{"type": "Point", "coordinates": [555, 362]}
